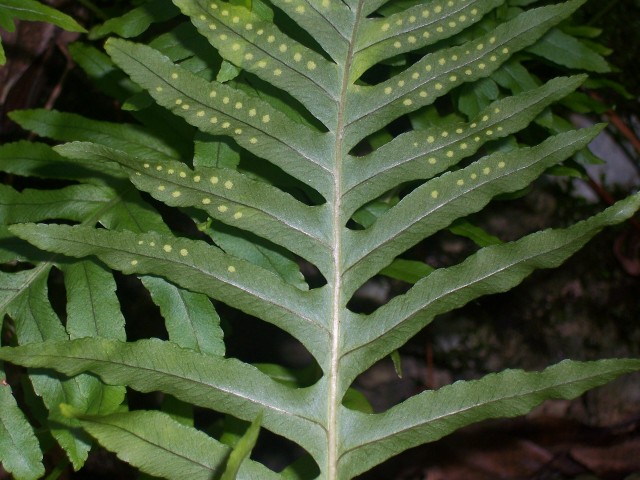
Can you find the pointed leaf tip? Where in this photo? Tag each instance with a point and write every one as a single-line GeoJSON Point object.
{"type": "Point", "coordinates": [242, 449]}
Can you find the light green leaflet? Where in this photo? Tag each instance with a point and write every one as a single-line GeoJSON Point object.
{"type": "Point", "coordinates": [269, 192]}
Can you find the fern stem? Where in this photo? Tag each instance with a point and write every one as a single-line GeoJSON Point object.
{"type": "Point", "coordinates": [335, 387]}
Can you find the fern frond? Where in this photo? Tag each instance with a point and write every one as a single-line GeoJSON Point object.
{"type": "Point", "coordinates": [19, 450]}
{"type": "Point", "coordinates": [338, 135]}
{"type": "Point", "coordinates": [71, 127]}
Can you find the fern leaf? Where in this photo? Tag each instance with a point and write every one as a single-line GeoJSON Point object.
{"type": "Point", "coordinates": [190, 318]}
{"type": "Point", "coordinates": [35, 11]}
{"type": "Point", "coordinates": [89, 285]}
{"type": "Point", "coordinates": [256, 46]}
{"type": "Point", "coordinates": [75, 202]}
{"type": "Point", "coordinates": [37, 160]}
{"type": "Point", "coordinates": [19, 449]}
{"type": "Point", "coordinates": [68, 126]}
{"type": "Point", "coordinates": [338, 134]}
{"type": "Point", "coordinates": [225, 385]}
{"type": "Point", "coordinates": [25, 300]}
{"type": "Point", "coordinates": [242, 450]}
{"type": "Point", "coordinates": [198, 267]}
{"type": "Point", "coordinates": [415, 27]}
{"type": "Point", "coordinates": [506, 394]}
{"type": "Point", "coordinates": [158, 445]}
{"type": "Point", "coordinates": [566, 50]}
{"type": "Point", "coordinates": [136, 21]}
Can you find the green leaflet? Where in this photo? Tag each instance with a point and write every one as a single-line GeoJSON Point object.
{"type": "Point", "coordinates": [409, 271]}
{"type": "Point", "coordinates": [433, 205]}
{"type": "Point", "coordinates": [242, 450]}
{"type": "Point", "coordinates": [38, 160]}
{"type": "Point", "coordinates": [425, 153]}
{"type": "Point", "coordinates": [70, 203]}
{"type": "Point", "coordinates": [158, 445]}
{"type": "Point", "coordinates": [211, 151]}
{"type": "Point", "coordinates": [34, 11]}
{"type": "Point", "coordinates": [337, 135]}
{"type": "Point", "coordinates": [66, 127]}
{"type": "Point", "coordinates": [101, 70]}
{"type": "Point", "coordinates": [136, 21]}
{"type": "Point", "coordinates": [493, 269]}
{"type": "Point", "coordinates": [19, 449]}
{"type": "Point", "coordinates": [198, 267]}
{"type": "Point", "coordinates": [569, 51]}
{"type": "Point", "coordinates": [434, 414]}
{"type": "Point", "coordinates": [88, 284]}
{"type": "Point", "coordinates": [190, 318]}
{"type": "Point", "coordinates": [227, 196]}
{"type": "Point", "coordinates": [223, 110]}
{"type": "Point", "coordinates": [225, 385]}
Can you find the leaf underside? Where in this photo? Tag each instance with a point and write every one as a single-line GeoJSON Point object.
{"type": "Point", "coordinates": [289, 161]}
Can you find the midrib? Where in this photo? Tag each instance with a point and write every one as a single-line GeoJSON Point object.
{"type": "Point", "coordinates": [334, 393]}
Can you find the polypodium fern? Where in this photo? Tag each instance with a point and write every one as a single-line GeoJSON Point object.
{"type": "Point", "coordinates": [314, 169]}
